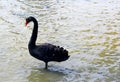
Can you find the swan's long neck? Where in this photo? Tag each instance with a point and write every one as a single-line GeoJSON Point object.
{"type": "Point", "coordinates": [33, 38]}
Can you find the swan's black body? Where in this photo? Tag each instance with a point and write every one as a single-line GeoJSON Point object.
{"type": "Point", "coordinates": [45, 52]}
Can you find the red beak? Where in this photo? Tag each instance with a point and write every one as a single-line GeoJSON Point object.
{"type": "Point", "coordinates": [26, 23]}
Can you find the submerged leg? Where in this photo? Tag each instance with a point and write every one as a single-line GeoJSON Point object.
{"type": "Point", "coordinates": [46, 65]}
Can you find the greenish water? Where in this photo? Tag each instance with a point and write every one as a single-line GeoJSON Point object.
{"type": "Point", "coordinates": [88, 29]}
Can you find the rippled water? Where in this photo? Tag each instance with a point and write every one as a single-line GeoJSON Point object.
{"type": "Point", "coordinates": [89, 29]}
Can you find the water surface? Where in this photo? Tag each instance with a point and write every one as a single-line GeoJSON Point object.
{"type": "Point", "coordinates": [89, 29]}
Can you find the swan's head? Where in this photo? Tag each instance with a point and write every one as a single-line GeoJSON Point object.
{"type": "Point", "coordinates": [28, 20]}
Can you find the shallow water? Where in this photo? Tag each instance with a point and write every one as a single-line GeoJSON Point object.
{"type": "Point", "coordinates": [89, 29]}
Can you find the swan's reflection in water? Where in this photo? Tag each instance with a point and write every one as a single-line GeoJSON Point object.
{"type": "Point", "coordinates": [53, 74]}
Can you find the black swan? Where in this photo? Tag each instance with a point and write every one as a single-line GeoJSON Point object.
{"type": "Point", "coordinates": [45, 52]}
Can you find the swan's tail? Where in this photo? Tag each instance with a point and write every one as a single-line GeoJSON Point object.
{"type": "Point", "coordinates": [56, 53]}
{"type": "Point", "coordinates": [60, 53]}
